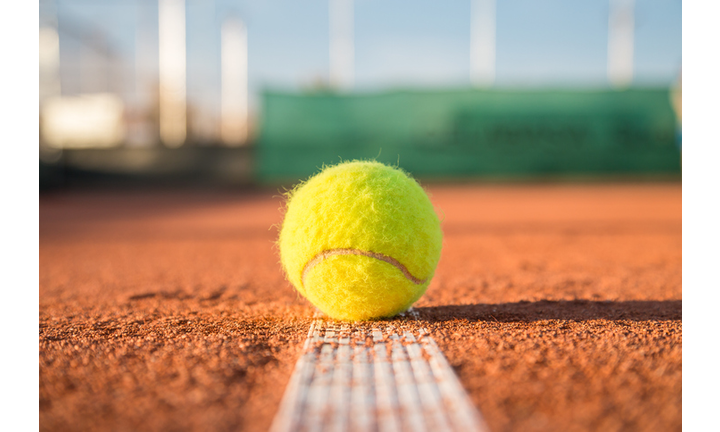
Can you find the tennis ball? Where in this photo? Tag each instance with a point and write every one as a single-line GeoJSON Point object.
{"type": "Point", "coordinates": [360, 240]}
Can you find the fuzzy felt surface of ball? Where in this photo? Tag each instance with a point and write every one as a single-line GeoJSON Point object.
{"type": "Point", "coordinates": [360, 240]}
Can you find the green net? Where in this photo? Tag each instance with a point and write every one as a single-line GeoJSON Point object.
{"type": "Point", "coordinates": [471, 133]}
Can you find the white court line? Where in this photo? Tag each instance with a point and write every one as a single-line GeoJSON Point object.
{"type": "Point", "coordinates": [386, 405]}
{"type": "Point", "coordinates": [362, 399]}
{"type": "Point", "coordinates": [340, 390]}
{"type": "Point", "coordinates": [408, 394]}
{"type": "Point", "coordinates": [430, 396]}
{"type": "Point", "coordinates": [343, 383]}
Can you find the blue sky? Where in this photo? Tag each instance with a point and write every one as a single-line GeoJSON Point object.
{"type": "Point", "coordinates": [398, 43]}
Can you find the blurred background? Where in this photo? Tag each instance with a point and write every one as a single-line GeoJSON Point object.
{"type": "Point", "coordinates": [243, 93]}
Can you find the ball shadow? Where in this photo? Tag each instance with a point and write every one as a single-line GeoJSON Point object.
{"type": "Point", "coordinates": [573, 310]}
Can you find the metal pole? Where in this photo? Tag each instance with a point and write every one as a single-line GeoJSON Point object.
{"type": "Point", "coordinates": [482, 43]}
{"type": "Point", "coordinates": [342, 55]}
{"type": "Point", "coordinates": [621, 42]}
{"type": "Point", "coordinates": [234, 83]}
{"type": "Point", "coordinates": [173, 115]}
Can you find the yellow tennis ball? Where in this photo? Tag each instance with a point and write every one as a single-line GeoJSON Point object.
{"type": "Point", "coordinates": [360, 240]}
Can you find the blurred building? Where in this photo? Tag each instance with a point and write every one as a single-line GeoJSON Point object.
{"type": "Point", "coordinates": [92, 120]}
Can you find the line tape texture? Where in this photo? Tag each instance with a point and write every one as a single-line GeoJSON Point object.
{"type": "Point", "coordinates": [348, 379]}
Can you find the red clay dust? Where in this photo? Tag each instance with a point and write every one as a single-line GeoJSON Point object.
{"type": "Point", "coordinates": [559, 307]}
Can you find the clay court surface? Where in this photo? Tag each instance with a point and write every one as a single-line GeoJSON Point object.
{"type": "Point", "coordinates": [559, 307]}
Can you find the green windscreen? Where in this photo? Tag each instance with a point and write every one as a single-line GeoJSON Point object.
{"type": "Point", "coordinates": [471, 133]}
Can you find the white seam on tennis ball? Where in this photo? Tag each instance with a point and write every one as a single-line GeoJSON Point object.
{"type": "Point", "coordinates": [333, 252]}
